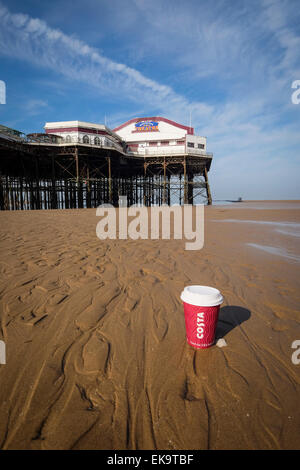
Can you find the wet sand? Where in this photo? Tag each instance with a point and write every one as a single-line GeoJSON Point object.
{"type": "Point", "coordinates": [95, 335]}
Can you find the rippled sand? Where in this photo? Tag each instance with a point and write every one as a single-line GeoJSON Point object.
{"type": "Point", "coordinates": [95, 336]}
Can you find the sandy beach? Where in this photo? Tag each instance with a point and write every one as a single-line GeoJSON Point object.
{"type": "Point", "coordinates": [95, 336]}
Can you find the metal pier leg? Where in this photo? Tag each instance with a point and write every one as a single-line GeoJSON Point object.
{"type": "Point", "coordinates": [190, 189]}
{"type": "Point", "coordinates": [209, 198]}
{"type": "Point", "coordinates": [185, 191]}
{"type": "Point", "coordinates": [38, 201]}
{"type": "Point", "coordinates": [164, 184]}
{"type": "Point", "coordinates": [53, 188]}
{"type": "Point", "coordinates": [88, 198]}
{"type": "Point", "coordinates": [144, 184]}
{"type": "Point", "coordinates": [110, 198]}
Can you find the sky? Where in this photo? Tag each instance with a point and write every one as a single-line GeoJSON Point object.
{"type": "Point", "coordinates": [229, 65]}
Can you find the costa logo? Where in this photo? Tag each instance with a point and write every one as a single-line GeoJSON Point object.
{"type": "Point", "coordinates": [200, 325]}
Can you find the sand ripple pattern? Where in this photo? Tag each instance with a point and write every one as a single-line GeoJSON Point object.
{"type": "Point", "coordinates": [97, 357]}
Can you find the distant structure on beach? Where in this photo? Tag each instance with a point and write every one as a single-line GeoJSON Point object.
{"type": "Point", "coordinates": [239, 199]}
{"type": "Point", "coordinates": [74, 164]}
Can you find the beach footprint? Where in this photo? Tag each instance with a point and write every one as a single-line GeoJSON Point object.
{"type": "Point", "coordinates": [96, 354]}
{"type": "Point", "coordinates": [160, 325]}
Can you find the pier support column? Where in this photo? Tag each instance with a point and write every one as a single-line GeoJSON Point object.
{"type": "Point", "coordinates": [190, 189]}
{"type": "Point", "coordinates": [1, 194]}
{"type": "Point", "coordinates": [79, 188]}
{"type": "Point", "coordinates": [77, 179]}
{"type": "Point", "coordinates": [169, 189]}
{"type": "Point", "coordinates": [185, 188]}
{"type": "Point", "coordinates": [164, 183]}
{"type": "Point", "coordinates": [66, 189]}
{"type": "Point", "coordinates": [180, 188]}
{"type": "Point", "coordinates": [21, 193]}
{"type": "Point", "coordinates": [110, 198]}
{"type": "Point", "coordinates": [53, 187]}
{"type": "Point", "coordinates": [38, 201]}
{"type": "Point", "coordinates": [88, 186]}
{"type": "Point", "coordinates": [77, 165]}
{"type": "Point", "coordinates": [144, 184]}
{"type": "Point", "coordinates": [208, 193]}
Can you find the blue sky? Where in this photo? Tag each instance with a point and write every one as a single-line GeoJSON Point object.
{"type": "Point", "coordinates": [230, 63]}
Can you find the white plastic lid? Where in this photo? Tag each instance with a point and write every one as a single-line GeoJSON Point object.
{"type": "Point", "coordinates": [201, 296]}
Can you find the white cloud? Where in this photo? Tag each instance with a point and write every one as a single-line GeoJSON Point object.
{"type": "Point", "coordinates": [34, 106]}
{"type": "Point", "coordinates": [31, 39]}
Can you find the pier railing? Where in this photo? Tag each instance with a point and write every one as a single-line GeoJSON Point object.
{"type": "Point", "coordinates": [151, 152]}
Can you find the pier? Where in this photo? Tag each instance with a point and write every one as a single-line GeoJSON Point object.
{"type": "Point", "coordinates": [42, 171]}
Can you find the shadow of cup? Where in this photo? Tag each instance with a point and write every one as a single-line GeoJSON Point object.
{"type": "Point", "coordinates": [229, 318]}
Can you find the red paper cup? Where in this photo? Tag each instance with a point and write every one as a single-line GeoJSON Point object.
{"type": "Point", "coordinates": [201, 310]}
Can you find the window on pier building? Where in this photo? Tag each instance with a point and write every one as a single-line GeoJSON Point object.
{"type": "Point", "coordinates": [86, 139]}
{"type": "Point", "coordinates": [190, 144]}
{"type": "Point", "coordinates": [97, 141]}
{"type": "Point", "coordinates": [164, 142]}
{"type": "Point", "coordinates": [200, 146]}
{"type": "Point", "coordinates": [68, 139]}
